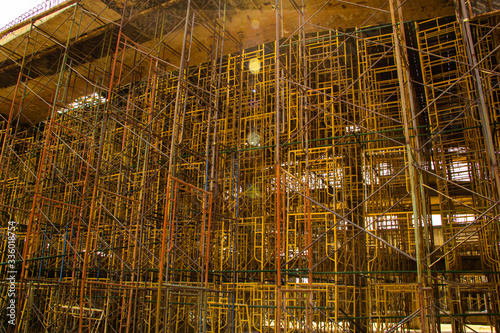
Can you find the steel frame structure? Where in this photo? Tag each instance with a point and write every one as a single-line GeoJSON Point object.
{"type": "Point", "coordinates": [288, 187]}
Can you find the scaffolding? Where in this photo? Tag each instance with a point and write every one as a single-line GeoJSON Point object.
{"type": "Point", "coordinates": [160, 175]}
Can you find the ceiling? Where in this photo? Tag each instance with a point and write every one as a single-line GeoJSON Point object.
{"type": "Point", "coordinates": [157, 29]}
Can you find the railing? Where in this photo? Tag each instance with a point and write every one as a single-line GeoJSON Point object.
{"type": "Point", "coordinates": [43, 6]}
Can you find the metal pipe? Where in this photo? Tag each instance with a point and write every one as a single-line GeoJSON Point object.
{"type": "Point", "coordinates": [463, 17]}
{"type": "Point", "coordinates": [277, 152]}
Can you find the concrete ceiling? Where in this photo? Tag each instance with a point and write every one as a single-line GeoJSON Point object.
{"type": "Point", "coordinates": [157, 26]}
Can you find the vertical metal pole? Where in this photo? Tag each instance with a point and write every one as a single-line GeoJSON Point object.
{"type": "Point", "coordinates": [6, 165]}
{"type": "Point", "coordinates": [304, 112]}
{"type": "Point", "coordinates": [463, 17]}
{"type": "Point", "coordinates": [171, 170]}
{"type": "Point", "coordinates": [239, 65]}
{"type": "Point", "coordinates": [4, 141]}
{"type": "Point", "coordinates": [46, 143]}
{"type": "Point", "coordinates": [98, 171]}
{"type": "Point", "coordinates": [235, 241]}
{"type": "Point", "coordinates": [411, 167]}
{"type": "Point", "coordinates": [278, 177]}
{"type": "Point", "coordinates": [178, 93]}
